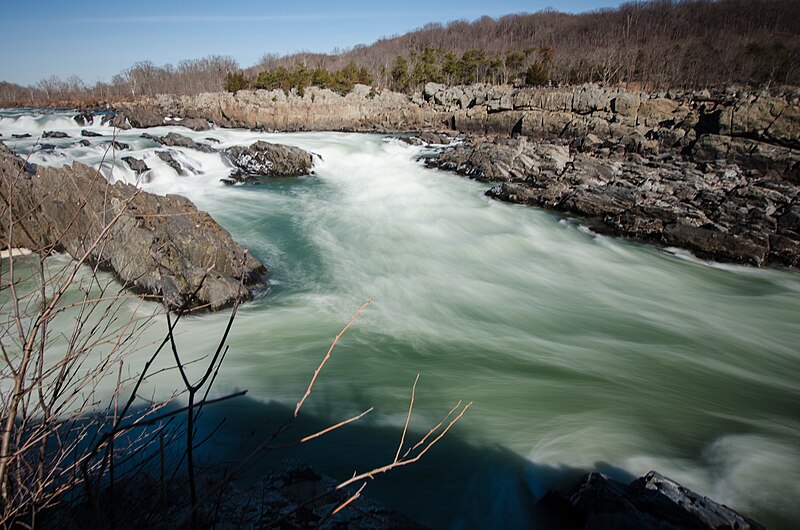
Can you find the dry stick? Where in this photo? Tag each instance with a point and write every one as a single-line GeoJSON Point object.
{"type": "Point", "coordinates": [342, 506]}
{"type": "Point", "coordinates": [336, 426]}
{"type": "Point", "coordinates": [371, 474]}
{"type": "Point", "coordinates": [325, 359]}
{"type": "Point", "coordinates": [384, 469]}
{"type": "Point", "coordinates": [434, 429]}
{"type": "Point", "coordinates": [408, 419]}
{"type": "Point", "coordinates": [266, 444]}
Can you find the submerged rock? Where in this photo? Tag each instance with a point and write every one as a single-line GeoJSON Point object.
{"type": "Point", "coordinates": [166, 156]}
{"type": "Point", "coordinates": [117, 146]}
{"type": "Point", "coordinates": [162, 247]}
{"type": "Point", "coordinates": [268, 159]}
{"type": "Point", "coordinates": [653, 501]}
{"type": "Point", "coordinates": [54, 134]}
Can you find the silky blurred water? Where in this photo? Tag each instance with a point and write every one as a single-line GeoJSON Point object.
{"type": "Point", "coordinates": [578, 350]}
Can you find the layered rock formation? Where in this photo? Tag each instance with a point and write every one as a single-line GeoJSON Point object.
{"type": "Point", "coordinates": [159, 246]}
{"type": "Point", "coordinates": [318, 109]}
{"type": "Point", "coordinates": [714, 173]}
{"type": "Point", "coordinates": [717, 210]}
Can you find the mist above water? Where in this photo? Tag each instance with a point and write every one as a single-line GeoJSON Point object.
{"type": "Point", "coordinates": [578, 350]}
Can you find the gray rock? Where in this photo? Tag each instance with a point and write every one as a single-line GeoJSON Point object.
{"type": "Point", "coordinates": [184, 258]}
{"type": "Point", "coordinates": [650, 502]}
{"type": "Point", "coordinates": [268, 159]}
{"type": "Point", "coordinates": [54, 134]}
{"type": "Point", "coordinates": [431, 89]}
{"type": "Point", "coordinates": [166, 156]}
{"type": "Point", "coordinates": [90, 134]}
{"type": "Point", "coordinates": [195, 124]}
{"type": "Point", "coordinates": [178, 140]}
{"type": "Point", "coordinates": [137, 165]}
{"type": "Point", "coordinates": [84, 118]}
{"type": "Point", "coordinates": [718, 211]}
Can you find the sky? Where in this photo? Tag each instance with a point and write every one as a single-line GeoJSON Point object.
{"type": "Point", "coordinates": [96, 39]}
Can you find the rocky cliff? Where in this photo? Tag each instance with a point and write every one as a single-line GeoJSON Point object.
{"type": "Point", "coordinates": [158, 246]}
{"type": "Point", "coordinates": [716, 173]}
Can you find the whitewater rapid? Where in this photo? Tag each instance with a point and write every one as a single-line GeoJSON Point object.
{"type": "Point", "coordinates": [580, 351]}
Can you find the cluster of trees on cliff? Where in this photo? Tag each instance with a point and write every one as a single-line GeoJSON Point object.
{"type": "Point", "coordinates": [432, 65]}
{"type": "Point", "coordinates": [299, 77]}
{"type": "Point", "coordinates": [655, 45]}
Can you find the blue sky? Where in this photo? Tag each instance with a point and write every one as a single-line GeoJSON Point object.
{"type": "Point", "coordinates": [97, 39]}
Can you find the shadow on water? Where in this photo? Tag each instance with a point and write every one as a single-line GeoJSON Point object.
{"type": "Point", "coordinates": [457, 484]}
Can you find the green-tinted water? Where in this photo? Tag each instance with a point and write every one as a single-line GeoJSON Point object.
{"type": "Point", "coordinates": [579, 351]}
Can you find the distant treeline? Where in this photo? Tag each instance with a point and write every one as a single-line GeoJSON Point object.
{"type": "Point", "coordinates": [432, 65]}
{"type": "Point", "coordinates": [656, 45]}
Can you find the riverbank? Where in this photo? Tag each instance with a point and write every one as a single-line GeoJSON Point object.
{"type": "Point", "coordinates": [713, 173]}
{"type": "Point", "coordinates": [550, 328]}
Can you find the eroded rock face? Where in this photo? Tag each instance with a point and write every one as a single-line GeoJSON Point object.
{"type": "Point", "coordinates": [718, 210]}
{"type": "Point", "coordinates": [268, 159]}
{"type": "Point", "coordinates": [178, 140]}
{"type": "Point", "coordinates": [162, 247]}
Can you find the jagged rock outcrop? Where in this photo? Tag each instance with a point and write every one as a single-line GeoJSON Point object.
{"type": "Point", "coordinates": [318, 109]}
{"type": "Point", "coordinates": [178, 140]}
{"type": "Point", "coordinates": [651, 122]}
{"type": "Point", "coordinates": [718, 210]}
{"type": "Point", "coordinates": [267, 159]}
{"type": "Point", "coordinates": [653, 501]}
{"type": "Point", "coordinates": [137, 165]}
{"type": "Point", "coordinates": [167, 157]}
{"type": "Point", "coordinates": [162, 247]}
{"type": "Point", "coordinates": [712, 172]}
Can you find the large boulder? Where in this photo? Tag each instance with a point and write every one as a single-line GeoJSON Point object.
{"type": "Point", "coordinates": [161, 247]}
{"type": "Point", "coordinates": [269, 160]}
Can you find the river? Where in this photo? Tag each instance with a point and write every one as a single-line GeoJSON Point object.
{"type": "Point", "coordinates": [579, 351]}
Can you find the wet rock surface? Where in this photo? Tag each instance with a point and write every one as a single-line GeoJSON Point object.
{"type": "Point", "coordinates": [161, 247]}
{"type": "Point", "coordinates": [710, 171]}
{"type": "Point", "coordinates": [167, 157]}
{"type": "Point", "coordinates": [716, 209]}
{"type": "Point", "coordinates": [135, 164]}
{"type": "Point", "coordinates": [54, 134]}
{"type": "Point", "coordinates": [268, 159]}
{"type": "Point", "coordinates": [178, 140]}
{"type": "Point", "coordinates": [650, 502]}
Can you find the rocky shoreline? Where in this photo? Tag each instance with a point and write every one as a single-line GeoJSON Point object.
{"type": "Point", "coordinates": [714, 173]}
{"type": "Point", "coordinates": [161, 247]}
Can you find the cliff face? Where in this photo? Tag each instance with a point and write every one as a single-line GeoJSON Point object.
{"type": "Point", "coordinates": [755, 130]}
{"type": "Point", "coordinates": [317, 110]}
{"type": "Point", "coordinates": [159, 246]}
{"type": "Point", "coordinates": [715, 173]}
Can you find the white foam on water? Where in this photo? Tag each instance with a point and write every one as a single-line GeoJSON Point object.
{"type": "Point", "coordinates": [577, 349]}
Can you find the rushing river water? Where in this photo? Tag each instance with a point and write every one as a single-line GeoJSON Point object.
{"type": "Point", "coordinates": [579, 351]}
